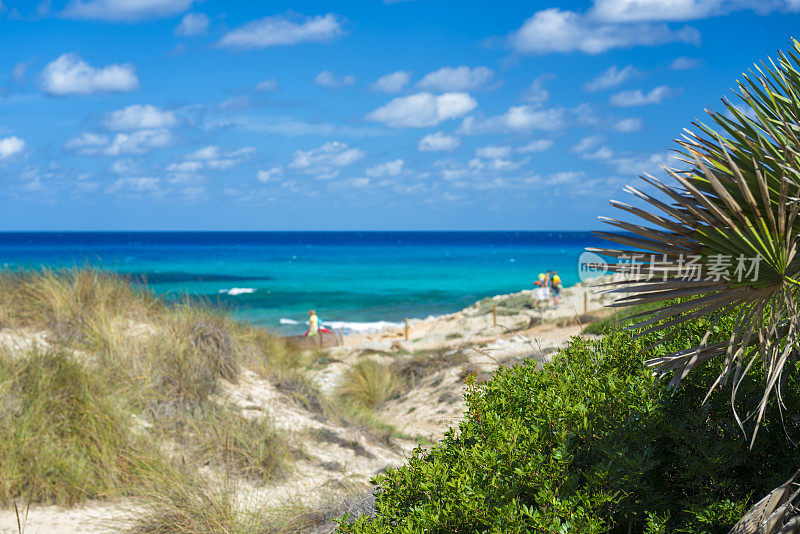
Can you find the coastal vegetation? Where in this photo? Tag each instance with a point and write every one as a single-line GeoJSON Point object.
{"type": "Point", "coordinates": [594, 442]}
{"type": "Point", "coordinates": [108, 392]}
{"type": "Point", "coordinates": [591, 442]}
{"type": "Point", "coordinates": [105, 370]}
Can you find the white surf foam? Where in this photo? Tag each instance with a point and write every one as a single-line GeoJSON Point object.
{"type": "Point", "coordinates": [350, 326]}
{"type": "Point", "coordinates": [238, 291]}
{"type": "Point", "coordinates": [361, 327]}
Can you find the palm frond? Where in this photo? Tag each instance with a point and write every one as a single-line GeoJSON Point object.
{"type": "Point", "coordinates": [723, 236]}
{"type": "Point", "coordinates": [774, 514]}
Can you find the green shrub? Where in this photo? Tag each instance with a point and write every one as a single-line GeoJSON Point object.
{"type": "Point", "coordinates": [591, 443]}
{"type": "Point", "coordinates": [619, 316]}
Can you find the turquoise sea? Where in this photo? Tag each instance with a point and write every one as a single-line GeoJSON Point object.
{"type": "Point", "coordinates": [355, 280]}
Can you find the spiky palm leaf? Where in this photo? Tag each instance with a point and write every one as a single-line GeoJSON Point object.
{"type": "Point", "coordinates": [774, 514]}
{"type": "Point", "coordinates": [733, 214]}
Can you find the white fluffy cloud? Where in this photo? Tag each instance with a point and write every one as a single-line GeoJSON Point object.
{"type": "Point", "coordinates": [589, 148]}
{"type": "Point", "coordinates": [438, 142]}
{"type": "Point", "coordinates": [265, 176]}
{"type": "Point", "coordinates": [140, 127]}
{"type": "Point", "coordinates": [626, 99]}
{"type": "Point", "coordinates": [123, 166]}
{"type": "Point", "coordinates": [609, 78]}
{"type": "Point", "coordinates": [423, 109]}
{"type": "Point", "coordinates": [87, 143]}
{"type": "Point", "coordinates": [675, 10]}
{"type": "Point", "coordinates": [539, 145]}
{"type": "Point", "coordinates": [185, 167]}
{"type": "Point", "coordinates": [139, 117]}
{"type": "Point", "coordinates": [213, 157]}
{"type": "Point", "coordinates": [685, 63]}
{"type": "Point", "coordinates": [493, 152]}
{"type": "Point", "coordinates": [632, 124]}
{"type": "Point", "coordinates": [613, 24]}
{"type": "Point", "coordinates": [135, 185]}
{"type": "Point", "coordinates": [326, 161]}
{"type": "Point", "coordinates": [138, 142]}
{"type": "Point", "coordinates": [457, 79]}
{"type": "Point", "coordinates": [554, 30]}
{"type": "Point", "coordinates": [563, 177]}
{"type": "Point", "coordinates": [19, 71]}
{"type": "Point", "coordinates": [516, 119]}
{"type": "Point", "coordinates": [602, 153]}
{"type": "Point", "coordinates": [331, 80]}
{"type": "Point", "coordinates": [587, 143]}
{"type": "Point", "coordinates": [633, 165]}
{"type": "Point", "coordinates": [10, 146]}
{"type": "Point", "coordinates": [496, 164]}
{"type": "Point", "coordinates": [124, 10]}
{"type": "Point", "coordinates": [69, 75]}
{"type": "Point", "coordinates": [393, 82]}
{"type": "Point", "coordinates": [641, 10]}
{"type": "Point", "coordinates": [270, 84]}
{"type": "Point", "coordinates": [188, 171]}
{"type": "Point", "coordinates": [390, 168]}
{"type": "Point", "coordinates": [536, 91]}
{"type": "Point", "coordinates": [192, 24]}
{"type": "Point", "coordinates": [280, 31]}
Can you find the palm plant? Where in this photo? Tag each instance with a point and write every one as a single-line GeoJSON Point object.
{"type": "Point", "coordinates": [724, 238]}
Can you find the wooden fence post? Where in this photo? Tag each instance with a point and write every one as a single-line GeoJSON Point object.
{"type": "Point", "coordinates": [406, 328]}
{"type": "Point", "coordinates": [585, 302]}
{"type": "Point", "coordinates": [494, 315]}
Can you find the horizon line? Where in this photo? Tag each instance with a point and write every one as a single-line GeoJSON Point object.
{"type": "Point", "coordinates": [283, 231]}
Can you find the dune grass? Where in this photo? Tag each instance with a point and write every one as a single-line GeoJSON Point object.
{"type": "Point", "coordinates": [424, 363]}
{"type": "Point", "coordinates": [122, 382]}
{"type": "Point", "coordinates": [123, 397]}
{"type": "Point", "coordinates": [176, 500]}
{"type": "Point", "coordinates": [62, 439]}
{"type": "Point", "coordinates": [370, 383]}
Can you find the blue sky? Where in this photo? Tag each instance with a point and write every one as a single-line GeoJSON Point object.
{"type": "Point", "coordinates": [420, 114]}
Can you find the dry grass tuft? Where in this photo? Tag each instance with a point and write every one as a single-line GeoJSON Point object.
{"type": "Point", "coordinates": [214, 342]}
{"type": "Point", "coordinates": [329, 436]}
{"type": "Point", "coordinates": [320, 518]}
{"type": "Point", "coordinates": [62, 438]}
{"type": "Point", "coordinates": [425, 363]}
{"type": "Point", "coordinates": [176, 501]}
{"type": "Point", "coordinates": [370, 383]}
{"type": "Point", "coordinates": [63, 301]}
{"type": "Point", "coordinates": [302, 390]}
{"type": "Point", "coordinates": [221, 437]}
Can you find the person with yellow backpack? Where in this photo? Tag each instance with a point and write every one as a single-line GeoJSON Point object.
{"type": "Point", "coordinates": [555, 287]}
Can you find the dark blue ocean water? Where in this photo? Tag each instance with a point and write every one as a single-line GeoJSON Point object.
{"type": "Point", "coordinates": [350, 278]}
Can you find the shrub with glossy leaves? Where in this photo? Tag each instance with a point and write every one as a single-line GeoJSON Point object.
{"type": "Point", "coordinates": [591, 443]}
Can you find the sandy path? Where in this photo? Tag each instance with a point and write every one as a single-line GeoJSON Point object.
{"type": "Point", "coordinates": [91, 518]}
